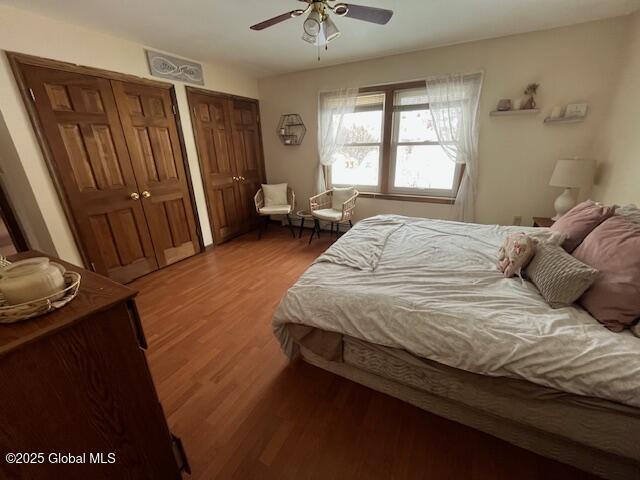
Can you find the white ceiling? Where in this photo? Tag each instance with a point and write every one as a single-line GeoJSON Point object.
{"type": "Point", "coordinates": [211, 30]}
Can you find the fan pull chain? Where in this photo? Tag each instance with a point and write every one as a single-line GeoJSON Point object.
{"type": "Point", "coordinates": [326, 49]}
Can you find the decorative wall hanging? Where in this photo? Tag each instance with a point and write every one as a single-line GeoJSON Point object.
{"type": "Point", "coordinates": [291, 129]}
{"type": "Point", "coordinates": [174, 68]}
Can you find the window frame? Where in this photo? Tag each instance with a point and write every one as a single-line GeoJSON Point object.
{"type": "Point", "coordinates": [386, 173]}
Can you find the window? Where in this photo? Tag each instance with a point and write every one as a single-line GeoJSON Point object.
{"type": "Point", "coordinates": [358, 162]}
{"type": "Point", "coordinates": [405, 161]}
{"type": "Point", "coordinates": [419, 164]}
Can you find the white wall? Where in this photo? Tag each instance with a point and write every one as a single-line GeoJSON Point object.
{"type": "Point", "coordinates": [26, 32]}
{"type": "Point", "coordinates": [618, 147]}
{"type": "Point", "coordinates": [517, 154]}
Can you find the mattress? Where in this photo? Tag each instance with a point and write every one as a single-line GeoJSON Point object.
{"type": "Point", "coordinates": [431, 288]}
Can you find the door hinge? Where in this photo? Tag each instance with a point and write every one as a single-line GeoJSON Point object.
{"type": "Point", "coordinates": [33, 95]}
{"type": "Point", "coordinates": [175, 109]}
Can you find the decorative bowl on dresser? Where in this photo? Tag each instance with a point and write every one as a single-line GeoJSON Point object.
{"type": "Point", "coordinates": [75, 382]}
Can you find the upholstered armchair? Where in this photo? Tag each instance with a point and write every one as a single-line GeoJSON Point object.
{"type": "Point", "coordinates": [335, 206]}
{"type": "Point", "coordinates": [267, 210]}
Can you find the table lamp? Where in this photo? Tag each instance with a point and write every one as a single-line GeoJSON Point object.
{"type": "Point", "coordinates": [570, 173]}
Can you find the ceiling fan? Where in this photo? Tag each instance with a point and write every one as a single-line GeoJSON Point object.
{"type": "Point", "coordinates": [318, 27]}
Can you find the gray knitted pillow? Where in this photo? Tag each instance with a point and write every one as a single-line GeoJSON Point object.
{"type": "Point", "coordinates": [630, 212]}
{"type": "Point", "coordinates": [560, 278]}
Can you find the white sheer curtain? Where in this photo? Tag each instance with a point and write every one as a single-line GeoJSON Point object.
{"type": "Point", "coordinates": [453, 103]}
{"type": "Point", "coordinates": [332, 107]}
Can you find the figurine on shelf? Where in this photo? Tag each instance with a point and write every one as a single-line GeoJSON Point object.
{"type": "Point", "coordinates": [531, 91]}
{"type": "Point", "coordinates": [504, 105]}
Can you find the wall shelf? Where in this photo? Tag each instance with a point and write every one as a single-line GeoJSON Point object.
{"type": "Point", "coordinates": [553, 121]}
{"type": "Point", "coordinates": [291, 129]}
{"type": "Point", "coordinates": [506, 113]}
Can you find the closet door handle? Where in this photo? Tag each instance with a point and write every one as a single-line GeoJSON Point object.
{"type": "Point", "coordinates": [134, 196]}
{"type": "Point", "coordinates": [146, 194]}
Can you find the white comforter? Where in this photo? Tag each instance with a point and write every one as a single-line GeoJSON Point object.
{"type": "Point", "coordinates": [431, 287]}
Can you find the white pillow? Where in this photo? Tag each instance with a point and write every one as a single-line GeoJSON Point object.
{"type": "Point", "coordinates": [275, 195]}
{"type": "Point", "coordinates": [341, 195]}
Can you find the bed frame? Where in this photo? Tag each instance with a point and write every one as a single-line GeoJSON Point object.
{"type": "Point", "coordinates": [579, 431]}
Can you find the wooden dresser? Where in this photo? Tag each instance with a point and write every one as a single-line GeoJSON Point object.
{"type": "Point", "coordinates": [75, 382]}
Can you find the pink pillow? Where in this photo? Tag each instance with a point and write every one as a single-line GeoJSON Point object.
{"type": "Point", "coordinates": [613, 248]}
{"type": "Point", "coordinates": [578, 222]}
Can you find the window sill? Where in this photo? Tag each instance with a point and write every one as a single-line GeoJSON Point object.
{"type": "Point", "coordinates": [408, 198]}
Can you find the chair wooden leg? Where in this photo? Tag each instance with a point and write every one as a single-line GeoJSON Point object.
{"type": "Point", "coordinates": [337, 230]}
{"type": "Point", "coordinates": [331, 231]}
{"type": "Point", "coordinates": [301, 227]}
{"type": "Point", "coordinates": [293, 234]}
{"type": "Point", "coordinates": [350, 224]}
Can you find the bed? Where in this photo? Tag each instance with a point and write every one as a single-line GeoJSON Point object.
{"type": "Point", "coordinates": [415, 308]}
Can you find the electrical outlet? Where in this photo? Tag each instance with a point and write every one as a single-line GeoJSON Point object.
{"type": "Point", "coordinates": [517, 220]}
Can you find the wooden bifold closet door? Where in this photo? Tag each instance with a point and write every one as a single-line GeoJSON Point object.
{"type": "Point", "coordinates": [229, 143]}
{"type": "Point", "coordinates": [152, 136]}
{"type": "Point", "coordinates": [117, 159]}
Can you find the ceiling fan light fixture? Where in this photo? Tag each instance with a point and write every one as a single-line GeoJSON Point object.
{"type": "Point", "coordinates": [318, 28]}
{"type": "Point", "coordinates": [330, 29]}
{"type": "Point", "coordinates": [312, 24]}
{"type": "Point", "coordinates": [321, 39]}
{"type": "Point", "coordinates": [309, 38]}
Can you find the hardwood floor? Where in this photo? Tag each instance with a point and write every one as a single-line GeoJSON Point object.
{"type": "Point", "coordinates": [243, 411]}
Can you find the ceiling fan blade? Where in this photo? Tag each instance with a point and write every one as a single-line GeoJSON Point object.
{"type": "Point", "coordinates": [380, 16]}
{"type": "Point", "coordinates": [275, 20]}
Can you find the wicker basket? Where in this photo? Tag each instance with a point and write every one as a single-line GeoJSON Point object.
{"type": "Point", "coordinates": [23, 311]}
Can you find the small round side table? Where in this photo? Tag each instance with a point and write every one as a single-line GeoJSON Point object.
{"type": "Point", "coordinates": [303, 215]}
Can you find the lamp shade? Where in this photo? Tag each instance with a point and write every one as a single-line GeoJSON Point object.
{"type": "Point", "coordinates": [573, 173]}
{"type": "Point", "coordinates": [330, 29]}
{"type": "Point", "coordinates": [311, 25]}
